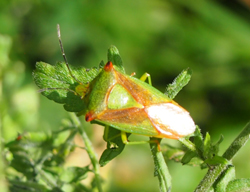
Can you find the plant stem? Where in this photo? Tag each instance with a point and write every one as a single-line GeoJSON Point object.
{"type": "Point", "coordinates": [161, 169]}
{"type": "Point", "coordinates": [210, 178]}
{"type": "Point", "coordinates": [90, 151]}
{"type": "Point", "coordinates": [214, 173]}
{"type": "Point", "coordinates": [3, 181]}
{"type": "Point", "coordinates": [239, 142]}
{"type": "Point", "coordinates": [188, 144]}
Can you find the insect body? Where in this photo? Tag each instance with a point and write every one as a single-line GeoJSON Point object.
{"type": "Point", "coordinates": [131, 105]}
{"type": "Point", "coordinates": [121, 101]}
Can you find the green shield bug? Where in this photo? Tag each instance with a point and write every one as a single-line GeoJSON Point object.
{"type": "Point", "coordinates": [133, 106]}
{"type": "Point", "coordinates": [130, 105]}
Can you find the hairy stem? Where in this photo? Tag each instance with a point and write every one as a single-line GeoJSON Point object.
{"type": "Point", "coordinates": [214, 173]}
{"type": "Point", "coordinates": [90, 151]}
{"type": "Point", "coordinates": [161, 169]}
{"type": "Point", "coordinates": [239, 142]}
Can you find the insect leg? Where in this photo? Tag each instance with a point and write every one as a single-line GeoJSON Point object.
{"type": "Point", "coordinates": [127, 142]}
{"type": "Point", "coordinates": [145, 76]}
{"type": "Point", "coordinates": [106, 136]}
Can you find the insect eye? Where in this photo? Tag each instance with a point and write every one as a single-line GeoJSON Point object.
{"type": "Point", "coordinates": [108, 66]}
{"type": "Point", "coordinates": [89, 117]}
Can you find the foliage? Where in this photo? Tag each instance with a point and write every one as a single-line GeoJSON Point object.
{"type": "Point", "coordinates": [200, 148]}
{"type": "Point", "coordinates": [160, 37]}
{"type": "Point", "coordinates": [36, 161]}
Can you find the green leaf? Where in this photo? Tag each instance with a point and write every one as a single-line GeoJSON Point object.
{"type": "Point", "coordinates": [58, 85]}
{"type": "Point", "coordinates": [22, 163]}
{"type": "Point", "coordinates": [198, 140]}
{"type": "Point", "coordinates": [114, 57]}
{"type": "Point", "coordinates": [64, 142]}
{"type": "Point", "coordinates": [172, 153]}
{"type": "Point", "coordinates": [115, 145]}
{"type": "Point", "coordinates": [216, 145]}
{"type": "Point", "coordinates": [101, 65]}
{"type": "Point", "coordinates": [189, 155]}
{"type": "Point", "coordinates": [207, 146]}
{"type": "Point", "coordinates": [81, 187]}
{"type": "Point", "coordinates": [176, 154]}
{"type": "Point", "coordinates": [216, 160]}
{"type": "Point", "coordinates": [238, 185]}
{"type": "Point", "coordinates": [19, 186]}
{"type": "Point", "coordinates": [74, 174]}
{"type": "Point", "coordinates": [179, 82]}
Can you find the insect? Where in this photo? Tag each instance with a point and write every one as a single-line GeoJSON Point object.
{"type": "Point", "coordinates": [131, 105]}
{"type": "Point", "coordinates": [19, 137]}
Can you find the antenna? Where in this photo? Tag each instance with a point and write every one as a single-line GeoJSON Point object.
{"type": "Point", "coordinates": [63, 53]}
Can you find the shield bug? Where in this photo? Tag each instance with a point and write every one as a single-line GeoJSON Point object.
{"type": "Point", "coordinates": [130, 105]}
{"type": "Point", "coordinates": [133, 106]}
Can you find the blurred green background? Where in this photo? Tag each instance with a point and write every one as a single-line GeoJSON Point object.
{"type": "Point", "coordinates": [158, 37]}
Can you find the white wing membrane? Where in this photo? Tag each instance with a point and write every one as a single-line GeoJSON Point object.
{"type": "Point", "coordinates": [171, 119]}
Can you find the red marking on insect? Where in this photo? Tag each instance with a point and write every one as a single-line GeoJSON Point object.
{"type": "Point", "coordinates": [19, 137]}
{"type": "Point", "coordinates": [108, 66]}
{"type": "Point", "coordinates": [89, 117]}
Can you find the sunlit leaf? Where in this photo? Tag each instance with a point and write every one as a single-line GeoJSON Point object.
{"type": "Point", "coordinates": [115, 58]}
{"type": "Point", "coordinates": [115, 145]}
{"type": "Point", "coordinates": [56, 83]}
{"type": "Point", "coordinates": [179, 82]}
